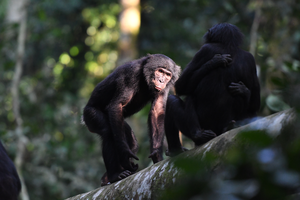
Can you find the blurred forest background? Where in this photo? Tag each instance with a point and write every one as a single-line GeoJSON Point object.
{"type": "Point", "coordinates": [54, 52]}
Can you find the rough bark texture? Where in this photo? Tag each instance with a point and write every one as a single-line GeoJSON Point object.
{"type": "Point", "coordinates": [150, 182]}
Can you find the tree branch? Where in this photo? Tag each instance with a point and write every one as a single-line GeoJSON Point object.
{"type": "Point", "coordinates": [150, 182]}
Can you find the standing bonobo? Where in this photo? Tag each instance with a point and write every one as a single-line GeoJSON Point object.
{"type": "Point", "coordinates": [123, 93]}
{"type": "Point", "coordinates": [216, 96]}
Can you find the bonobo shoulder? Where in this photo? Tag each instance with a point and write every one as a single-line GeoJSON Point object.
{"type": "Point", "coordinates": [248, 56]}
{"type": "Point", "coordinates": [206, 51]}
{"type": "Point", "coordinates": [207, 47]}
{"type": "Point", "coordinates": [210, 49]}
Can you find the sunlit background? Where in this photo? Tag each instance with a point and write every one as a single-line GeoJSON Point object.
{"type": "Point", "coordinates": [54, 52]}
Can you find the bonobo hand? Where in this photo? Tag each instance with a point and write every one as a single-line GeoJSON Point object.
{"type": "Point", "coordinates": [239, 89]}
{"type": "Point", "coordinates": [125, 157]}
{"type": "Point", "coordinates": [175, 153]}
{"type": "Point", "coordinates": [156, 156]}
{"type": "Point", "coordinates": [221, 60]}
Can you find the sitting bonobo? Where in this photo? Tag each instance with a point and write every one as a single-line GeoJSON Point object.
{"type": "Point", "coordinates": [218, 94]}
{"type": "Point", "coordinates": [123, 93]}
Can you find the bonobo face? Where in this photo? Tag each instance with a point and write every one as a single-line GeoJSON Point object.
{"type": "Point", "coordinates": [161, 78]}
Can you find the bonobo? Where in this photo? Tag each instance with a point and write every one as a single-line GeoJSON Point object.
{"type": "Point", "coordinates": [10, 184]}
{"type": "Point", "coordinates": [216, 96]}
{"type": "Point", "coordinates": [123, 93]}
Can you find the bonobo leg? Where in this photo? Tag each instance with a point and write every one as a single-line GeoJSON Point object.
{"type": "Point", "coordinates": [181, 116]}
{"type": "Point", "coordinates": [197, 134]}
{"type": "Point", "coordinates": [97, 122]}
{"type": "Point", "coordinates": [132, 143]}
{"type": "Point", "coordinates": [175, 107]}
{"type": "Point", "coordinates": [115, 171]}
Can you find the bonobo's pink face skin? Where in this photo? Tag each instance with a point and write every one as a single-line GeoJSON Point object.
{"type": "Point", "coordinates": [161, 78]}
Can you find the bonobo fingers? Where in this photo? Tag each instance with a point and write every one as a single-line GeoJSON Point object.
{"type": "Point", "coordinates": [227, 59]}
{"type": "Point", "coordinates": [234, 89]}
{"type": "Point", "coordinates": [221, 60]}
{"type": "Point", "coordinates": [132, 155]}
{"type": "Point", "coordinates": [154, 153]}
{"type": "Point", "coordinates": [156, 156]}
{"type": "Point", "coordinates": [241, 83]}
{"type": "Point", "coordinates": [238, 88]}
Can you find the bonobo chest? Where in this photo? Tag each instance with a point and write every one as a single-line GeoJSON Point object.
{"type": "Point", "coordinates": [137, 102]}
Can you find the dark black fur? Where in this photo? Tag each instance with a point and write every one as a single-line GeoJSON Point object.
{"type": "Point", "coordinates": [10, 184]}
{"type": "Point", "coordinates": [217, 98]}
{"type": "Point", "coordinates": [123, 93]}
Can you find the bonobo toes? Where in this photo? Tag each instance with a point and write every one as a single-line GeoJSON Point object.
{"type": "Point", "coordinates": [116, 177]}
{"type": "Point", "coordinates": [203, 136]}
{"type": "Point", "coordinates": [175, 152]}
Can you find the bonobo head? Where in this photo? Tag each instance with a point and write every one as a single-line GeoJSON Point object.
{"type": "Point", "coordinates": [160, 71]}
{"type": "Point", "coordinates": [161, 78]}
{"type": "Point", "coordinates": [224, 33]}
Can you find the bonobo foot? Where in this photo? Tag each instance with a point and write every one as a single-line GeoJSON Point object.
{"type": "Point", "coordinates": [231, 125]}
{"type": "Point", "coordinates": [116, 177]}
{"type": "Point", "coordinates": [203, 136]}
{"type": "Point", "coordinates": [134, 167]}
{"type": "Point", "coordinates": [125, 158]}
{"type": "Point", "coordinates": [175, 152]}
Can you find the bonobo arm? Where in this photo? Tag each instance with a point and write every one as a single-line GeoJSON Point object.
{"type": "Point", "coordinates": [156, 126]}
{"type": "Point", "coordinates": [217, 61]}
{"type": "Point", "coordinates": [199, 59]}
{"type": "Point", "coordinates": [254, 103]}
{"type": "Point", "coordinates": [115, 114]}
{"type": "Point", "coordinates": [198, 74]}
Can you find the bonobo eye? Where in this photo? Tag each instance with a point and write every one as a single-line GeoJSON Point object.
{"type": "Point", "coordinates": [168, 74]}
{"type": "Point", "coordinates": [161, 71]}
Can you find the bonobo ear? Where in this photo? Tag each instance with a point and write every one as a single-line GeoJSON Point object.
{"type": "Point", "coordinates": [207, 36]}
{"type": "Point", "coordinates": [148, 70]}
{"type": "Point", "coordinates": [176, 70]}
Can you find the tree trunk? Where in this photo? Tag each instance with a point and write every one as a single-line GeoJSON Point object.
{"type": "Point", "coordinates": [17, 13]}
{"type": "Point", "coordinates": [129, 27]}
{"type": "Point", "coordinates": [150, 182]}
